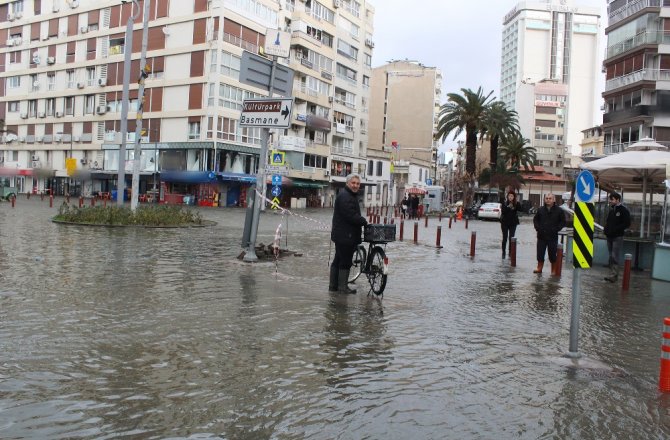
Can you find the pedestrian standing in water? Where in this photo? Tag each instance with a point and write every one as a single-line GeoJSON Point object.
{"type": "Point", "coordinates": [509, 219]}
{"type": "Point", "coordinates": [548, 221]}
{"type": "Point", "coordinates": [403, 206]}
{"type": "Point", "coordinates": [618, 220]}
{"type": "Point", "coordinates": [346, 234]}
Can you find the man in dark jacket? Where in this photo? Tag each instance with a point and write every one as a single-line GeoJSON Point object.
{"type": "Point", "coordinates": [618, 220]}
{"type": "Point", "coordinates": [548, 220]}
{"type": "Point", "coordinates": [346, 233]}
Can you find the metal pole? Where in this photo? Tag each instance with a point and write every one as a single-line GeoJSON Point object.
{"type": "Point", "coordinates": [128, 47]}
{"type": "Point", "coordinates": [140, 110]}
{"type": "Point", "coordinates": [155, 171]}
{"type": "Point", "coordinates": [250, 254]}
{"type": "Point", "coordinates": [574, 316]}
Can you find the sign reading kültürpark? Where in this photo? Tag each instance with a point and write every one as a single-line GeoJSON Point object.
{"type": "Point", "coordinates": [266, 112]}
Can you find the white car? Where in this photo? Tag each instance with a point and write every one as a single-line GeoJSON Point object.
{"type": "Point", "coordinates": [490, 210]}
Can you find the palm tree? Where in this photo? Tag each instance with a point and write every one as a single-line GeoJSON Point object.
{"type": "Point", "coordinates": [515, 153]}
{"type": "Point", "coordinates": [464, 113]}
{"type": "Point", "coordinates": [500, 123]}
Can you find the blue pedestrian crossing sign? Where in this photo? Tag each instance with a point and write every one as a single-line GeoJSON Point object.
{"type": "Point", "coordinates": [276, 191]}
{"type": "Point", "coordinates": [276, 180]}
{"type": "Point", "coordinates": [277, 158]}
{"type": "Point", "coordinates": [585, 187]}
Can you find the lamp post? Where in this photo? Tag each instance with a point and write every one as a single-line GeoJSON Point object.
{"type": "Point", "coordinates": [128, 49]}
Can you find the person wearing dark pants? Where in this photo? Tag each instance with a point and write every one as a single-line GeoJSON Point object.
{"type": "Point", "coordinates": [618, 220]}
{"type": "Point", "coordinates": [509, 219]}
{"type": "Point", "coordinates": [346, 234]}
{"type": "Point", "coordinates": [548, 221]}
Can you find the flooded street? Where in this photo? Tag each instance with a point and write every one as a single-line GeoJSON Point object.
{"type": "Point", "coordinates": [163, 333]}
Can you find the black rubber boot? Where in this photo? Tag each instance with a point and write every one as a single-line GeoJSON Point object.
{"type": "Point", "coordinates": [343, 282]}
{"type": "Point", "coordinates": [332, 282]}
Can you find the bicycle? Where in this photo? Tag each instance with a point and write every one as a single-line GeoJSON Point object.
{"type": "Point", "coordinates": [373, 262]}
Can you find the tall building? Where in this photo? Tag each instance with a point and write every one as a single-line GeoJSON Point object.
{"type": "Point", "coordinates": [405, 103]}
{"type": "Point", "coordinates": [637, 87]}
{"type": "Point", "coordinates": [551, 42]}
{"type": "Point", "coordinates": [60, 94]}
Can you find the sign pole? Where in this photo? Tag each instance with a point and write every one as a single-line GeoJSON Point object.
{"type": "Point", "coordinates": [574, 316]}
{"type": "Point", "coordinates": [250, 254]}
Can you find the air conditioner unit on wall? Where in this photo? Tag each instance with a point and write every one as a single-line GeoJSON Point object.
{"type": "Point", "coordinates": [102, 82]}
{"type": "Point", "coordinates": [81, 85]}
{"type": "Point", "coordinates": [59, 114]}
{"type": "Point", "coordinates": [10, 42]}
{"type": "Point", "coordinates": [336, 3]}
{"type": "Point", "coordinates": [34, 157]}
{"type": "Point", "coordinates": [538, 128]}
{"type": "Point", "coordinates": [19, 14]}
{"type": "Point", "coordinates": [24, 115]}
{"type": "Point", "coordinates": [41, 115]}
{"type": "Point", "coordinates": [101, 110]}
{"type": "Point", "coordinates": [330, 99]}
{"type": "Point", "coordinates": [51, 60]}
{"type": "Point", "coordinates": [83, 29]}
{"type": "Point", "coordinates": [56, 7]}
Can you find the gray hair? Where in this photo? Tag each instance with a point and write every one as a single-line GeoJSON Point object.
{"type": "Point", "coordinates": [353, 175]}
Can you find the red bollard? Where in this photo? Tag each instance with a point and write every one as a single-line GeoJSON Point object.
{"type": "Point", "coordinates": [51, 201]}
{"type": "Point", "coordinates": [664, 375]}
{"type": "Point", "coordinates": [402, 228]}
{"type": "Point", "coordinates": [451, 218]}
{"type": "Point", "coordinates": [385, 219]}
{"type": "Point", "coordinates": [81, 202]}
{"type": "Point", "coordinates": [625, 282]}
{"type": "Point", "coordinates": [559, 260]}
{"type": "Point", "coordinates": [13, 201]}
{"type": "Point", "coordinates": [512, 251]}
{"type": "Point", "coordinates": [416, 232]}
{"type": "Point", "coordinates": [392, 220]}
{"type": "Point", "coordinates": [473, 243]}
{"type": "Point", "coordinates": [426, 224]}
{"type": "Point", "coordinates": [466, 222]}
{"type": "Point", "coordinates": [378, 221]}
{"type": "Point", "coordinates": [104, 203]}
{"type": "Point", "coordinates": [439, 236]}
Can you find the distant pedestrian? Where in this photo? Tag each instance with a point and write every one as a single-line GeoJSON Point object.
{"type": "Point", "coordinates": [414, 203]}
{"type": "Point", "coordinates": [618, 220]}
{"type": "Point", "coordinates": [346, 233]}
{"type": "Point", "coordinates": [509, 219]}
{"type": "Point", "coordinates": [548, 221]}
{"type": "Point", "coordinates": [403, 206]}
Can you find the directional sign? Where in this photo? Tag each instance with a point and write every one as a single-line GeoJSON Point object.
{"type": "Point", "coordinates": [281, 170]}
{"type": "Point", "coordinates": [275, 203]}
{"type": "Point", "coordinates": [582, 245]}
{"type": "Point", "coordinates": [277, 158]}
{"type": "Point", "coordinates": [256, 70]}
{"type": "Point", "coordinates": [277, 43]}
{"type": "Point", "coordinates": [585, 187]}
{"type": "Point", "coordinates": [266, 112]}
{"type": "Point", "coordinates": [276, 180]}
{"type": "Point", "coordinates": [276, 191]}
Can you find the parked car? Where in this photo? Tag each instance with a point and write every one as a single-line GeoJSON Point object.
{"type": "Point", "coordinates": [490, 210]}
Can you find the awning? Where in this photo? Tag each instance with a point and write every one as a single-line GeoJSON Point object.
{"type": "Point", "coordinates": [415, 190]}
{"type": "Point", "coordinates": [301, 183]}
{"type": "Point", "coordinates": [188, 176]}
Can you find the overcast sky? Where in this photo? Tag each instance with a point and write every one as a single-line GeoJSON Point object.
{"type": "Point", "coordinates": [461, 37]}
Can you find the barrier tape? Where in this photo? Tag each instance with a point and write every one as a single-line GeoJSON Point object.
{"type": "Point", "coordinates": [319, 225]}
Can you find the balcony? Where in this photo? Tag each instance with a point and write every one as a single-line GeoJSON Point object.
{"type": "Point", "coordinates": [633, 7]}
{"type": "Point", "coordinates": [651, 37]}
{"type": "Point", "coordinates": [628, 113]}
{"type": "Point", "coordinates": [640, 75]}
{"type": "Point", "coordinates": [237, 41]}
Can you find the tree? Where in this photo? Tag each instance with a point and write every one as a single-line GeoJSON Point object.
{"type": "Point", "coordinates": [499, 123]}
{"type": "Point", "coordinates": [464, 113]}
{"type": "Point", "coordinates": [515, 153]}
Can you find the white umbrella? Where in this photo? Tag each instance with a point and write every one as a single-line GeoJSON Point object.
{"type": "Point", "coordinates": [646, 144]}
{"type": "Point", "coordinates": [638, 166]}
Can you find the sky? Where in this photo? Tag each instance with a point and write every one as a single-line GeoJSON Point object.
{"type": "Point", "coordinates": [460, 37]}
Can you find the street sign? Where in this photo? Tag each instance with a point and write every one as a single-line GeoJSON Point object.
{"type": "Point", "coordinates": [280, 170]}
{"type": "Point", "coordinates": [582, 244]}
{"type": "Point", "coordinates": [276, 180]}
{"type": "Point", "coordinates": [276, 191]}
{"type": "Point", "coordinates": [277, 43]}
{"type": "Point", "coordinates": [277, 158]}
{"type": "Point", "coordinates": [255, 70]}
{"type": "Point", "coordinates": [275, 203]}
{"type": "Point", "coordinates": [585, 188]}
{"type": "Point", "coordinates": [71, 166]}
{"type": "Point", "coordinates": [266, 112]}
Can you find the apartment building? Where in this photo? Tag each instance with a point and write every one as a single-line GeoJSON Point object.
{"type": "Point", "coordinates": [62, 81]}
{"type": "Point", "coordinates": [637, 68]}
{"type": "Point", "coordinates": [405, 103]}
{"type": "Point", "coordinates": [543, 43]}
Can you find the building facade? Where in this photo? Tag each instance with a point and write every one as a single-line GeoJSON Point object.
{"type": "Point", "coordinates": [405, 103]}
{"type": "Point", "coordinates": [63, 77]}
{"type": "Point", "coordinates": [551, 45]}
{"type": "Point", "coordinates": [637, 68]}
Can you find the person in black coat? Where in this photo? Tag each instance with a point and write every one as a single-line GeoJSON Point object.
{"type": "Point", "coordinates": [548, 220]}
{"type": "Point", "coordinates": [618, 220]}
{"type": "Point", "coordinates": [346, 234]}
{"type": "Point", "coordinates": [509, 219]}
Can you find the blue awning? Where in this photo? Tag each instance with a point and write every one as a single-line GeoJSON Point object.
{"type": "Point", "coordinates": [188, 176]}
{"type": "Point", "coordinates": [237, 177]}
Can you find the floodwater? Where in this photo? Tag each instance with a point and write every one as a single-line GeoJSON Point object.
{"type": "Point", "coordinates": [148, 334]}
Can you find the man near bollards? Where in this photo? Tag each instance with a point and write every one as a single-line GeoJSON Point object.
{"type": "Point", "coordinates": [548, 221]}
{"type": "Point", "coordinates": [345, 233]}
{"type": "Point", "coordinates": [618, 220]}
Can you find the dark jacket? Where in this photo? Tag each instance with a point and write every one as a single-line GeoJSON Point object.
{"type": "Point", "coordinates": [509, 214]}
{"type": "Point", "coordinates": [618, 220]}
{"type": "Point", "coordinates": [548, 222]}
{"type": "Point", "coordinates": [347, 219]}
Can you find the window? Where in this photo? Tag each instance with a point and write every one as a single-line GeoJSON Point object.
{"type": "Point", "coordinates": [346, 49]}
{"type": "Point", "coordinates": [71, 83]}
{"type": "Point", "coordinates": [314, 161]}
{"type": "Point", "coordinates": [251, 135]}
{"type": "Point", "coordinates": [193, 130]}
{"type": "Point", "coordinates": [379, 167]}
{"type": "Point", "coordinates": [90, 76]}
{"type": "Point", "coordinates": [213, 63]}
{"type": "Point", "coordinates": [13, 82]}
{"type": "Point", "coordinates": [51, 81]}
{"type": "Point", "coordinates": [69, 105]}
{"type": "Point", "coordinates": [367, 60]}
{"type": "Point", "coordinates": [230, 97]}
{"type": "Point", "coordinates": [370, 166]}
{"type": "Point", "coordinates": [13, 106]}
{"type": "Point", "coordinates": [366, 81]}
{"type": "Point", "coordinates": [319, 11]}
{"type": "Point", "coordinates": [32, 108]}
{"type": "Point", "coordinates": [345, 73]}
{"type": "Point", "coordinates": [230, 65]}
{"type": "Point", "coordinates": [50, 106]}
{"type": "Point", "coordinates": [15, 57]}
{"type": "Point", "coordinates": [116, 46]}
{"type": "Point", "coordinates": [89, 104]}
{"type": "Point", "coordinates": [17, 6]}
{"type": "Point", "coordinates": [227, 129]}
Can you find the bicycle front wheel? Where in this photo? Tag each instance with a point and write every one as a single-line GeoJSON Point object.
{"type": "Point", "coordinates": [376, 275]}
{"type": "Point", "coordinates": [358, 262]}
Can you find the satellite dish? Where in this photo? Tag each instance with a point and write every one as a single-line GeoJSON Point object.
{"type": "Point", "coordinates": [166, 30]}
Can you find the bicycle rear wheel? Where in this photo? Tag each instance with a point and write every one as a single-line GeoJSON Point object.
{"type": "Point", "coordinates": [376, 275]}
{"type": "Point", "coordinates": [358, 262]}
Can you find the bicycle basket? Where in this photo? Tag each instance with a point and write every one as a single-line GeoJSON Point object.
{"type": "Point", "coordinates": [379, 233]}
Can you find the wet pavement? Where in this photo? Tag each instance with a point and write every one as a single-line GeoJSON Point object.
{"type": "Point", "coordinates": [145, 333]}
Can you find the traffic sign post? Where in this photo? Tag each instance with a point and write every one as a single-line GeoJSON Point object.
{"type": "Point", "coordinates": [582, 249]}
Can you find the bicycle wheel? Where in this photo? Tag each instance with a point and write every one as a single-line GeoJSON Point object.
{"type": "Point", "coordinates": [376, 275]}
{"type": "Point", "coordinates": [358, 262]}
